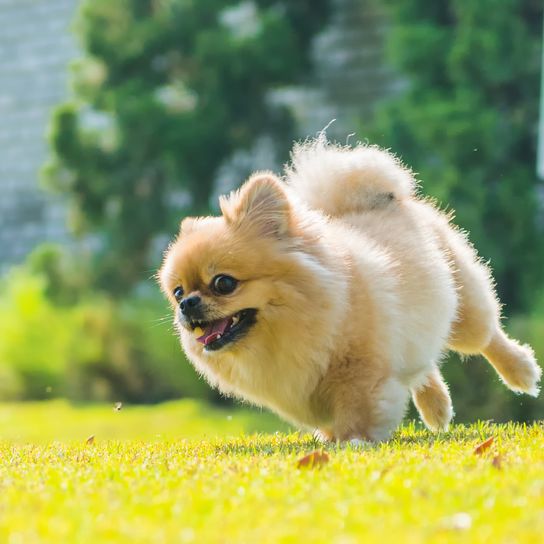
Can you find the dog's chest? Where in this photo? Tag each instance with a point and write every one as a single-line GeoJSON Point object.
{"type": "Point", "coordinates": [289, 396]}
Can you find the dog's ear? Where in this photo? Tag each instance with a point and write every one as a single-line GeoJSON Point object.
{"type": "Point", "coordinates": [261, 202]}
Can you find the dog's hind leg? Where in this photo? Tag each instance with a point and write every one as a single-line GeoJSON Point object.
{"type": "Point", "coordinates": [477, 329]}
{"type": "Point", "coordinates": [433, 402]}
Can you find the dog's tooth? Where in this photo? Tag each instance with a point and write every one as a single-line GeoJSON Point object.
{"type": "Point", "coordinates": [235, 320]}
{"type": "Point", "coordinates": [199, 331]}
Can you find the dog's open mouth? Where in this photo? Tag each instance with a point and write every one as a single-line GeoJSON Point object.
{"type": "Point", "coordinates": [221, 332]}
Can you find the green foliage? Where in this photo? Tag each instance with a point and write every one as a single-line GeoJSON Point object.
{"type": "Point", "coordinates": [166, 92]}
{"type": "Point", "coordinates": [154, 489]}
{"type": "Point", "coordinates": [467, 121]}
{"type": "Point", "coordinates": [127, 352]}
{"type": "Point", "coordinates": [92, 349]}
{"type": "Point", "coordinates": [35, 338]}
{"type": "Point", "coordinates": [66, 273]}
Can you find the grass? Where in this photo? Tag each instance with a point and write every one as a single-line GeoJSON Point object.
{"type": "Point", "coordinates": [40, 422]}
{"type": "Point", "coordinates": [185, 473]}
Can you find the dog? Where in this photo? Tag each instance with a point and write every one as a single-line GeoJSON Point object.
{"type": "Point", "coordinates": [330, 296]}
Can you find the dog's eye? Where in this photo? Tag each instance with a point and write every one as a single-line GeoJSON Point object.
{"type": "Point", "coordinates": [223, 284]}
{"type": "Point", "coordinates": [178, 293]}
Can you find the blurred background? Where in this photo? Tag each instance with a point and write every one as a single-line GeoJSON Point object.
{"type": "Point", "coordinates": [120, 117]}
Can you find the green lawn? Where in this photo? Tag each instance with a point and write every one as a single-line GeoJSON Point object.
{"type": "Point", "coordinates": [181, 472]}
{"type": "Point", "coordinates": [40, 422]}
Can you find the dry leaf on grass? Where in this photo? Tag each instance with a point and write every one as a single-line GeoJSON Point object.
{"type": "Point", "coordinates": [90, 440]}
{"type": "Point", "coordinates": [315, 459]}
{"type": "Point", "coordinates": [485, 445]}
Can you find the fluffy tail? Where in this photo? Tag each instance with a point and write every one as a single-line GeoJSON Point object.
{"type": "Point", "coordinates": [342, 180]}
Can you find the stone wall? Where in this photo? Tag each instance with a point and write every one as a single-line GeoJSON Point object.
{"type": "Point", "coordinates": [35, 49]}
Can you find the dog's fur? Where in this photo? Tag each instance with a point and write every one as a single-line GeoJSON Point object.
{"type": "Point", "coordinates": [360, 286]}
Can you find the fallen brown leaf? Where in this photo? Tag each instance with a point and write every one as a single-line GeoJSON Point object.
{"type": "Point", "coordinates": [90, 440]}
{"type": "Point", "coordinates": [485, 445]}
{"type": "Point", "coordinates": [315, 459]}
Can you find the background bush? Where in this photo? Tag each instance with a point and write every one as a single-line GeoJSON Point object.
{"type": "Point", "coordinates": [35, 338]}
{"type": "Point", "coordinates": [93, 349]}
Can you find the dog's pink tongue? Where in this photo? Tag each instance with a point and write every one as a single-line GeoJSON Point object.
{"type": "Point", "coordinates": [214, 331]}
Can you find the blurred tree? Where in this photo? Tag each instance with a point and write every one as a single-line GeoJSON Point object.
{"type": "Point", "coordinates": [467, 119]}
{"type": "Point", "coordinates": [167, 90]}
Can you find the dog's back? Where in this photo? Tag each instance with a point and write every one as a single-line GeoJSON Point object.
{"type": "Point", "coordinates": [369, 189]}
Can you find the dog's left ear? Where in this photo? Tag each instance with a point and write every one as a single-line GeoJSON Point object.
{"type": "Point", "coordinates": [261, 202]}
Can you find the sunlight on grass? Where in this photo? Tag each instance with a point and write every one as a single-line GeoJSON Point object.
{"type": "Point", "coordinates": [416, 488]}
{"type": "Point", "coordinates": [40, 422]}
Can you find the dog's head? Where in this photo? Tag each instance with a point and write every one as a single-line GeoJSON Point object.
{"type": "Point", "coordinates": [228, 277]}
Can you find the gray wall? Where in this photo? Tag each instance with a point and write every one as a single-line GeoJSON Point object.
{"type": "Point", "coordinates": [35, 49]}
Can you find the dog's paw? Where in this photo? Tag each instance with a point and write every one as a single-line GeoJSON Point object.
{"type": "Point", "coordinates": [323, 436]}
{"type": "Point", "coordinates": [359, 444]}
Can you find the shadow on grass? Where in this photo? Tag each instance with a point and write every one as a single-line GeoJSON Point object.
{"type": "Point", "coordinates": [268, 444]}
{"type": "Point", "coordinates": [412, 433]}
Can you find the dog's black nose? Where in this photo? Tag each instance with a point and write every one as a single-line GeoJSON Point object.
{"type": "Point", "coordinates": [190, 305]}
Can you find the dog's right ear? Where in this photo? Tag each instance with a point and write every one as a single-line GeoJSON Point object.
{"type": "Point", "coordinates": [262, 203]}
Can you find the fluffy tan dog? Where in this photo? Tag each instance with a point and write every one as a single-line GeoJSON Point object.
{"type": "Point", "coordinates": [331, 296]}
